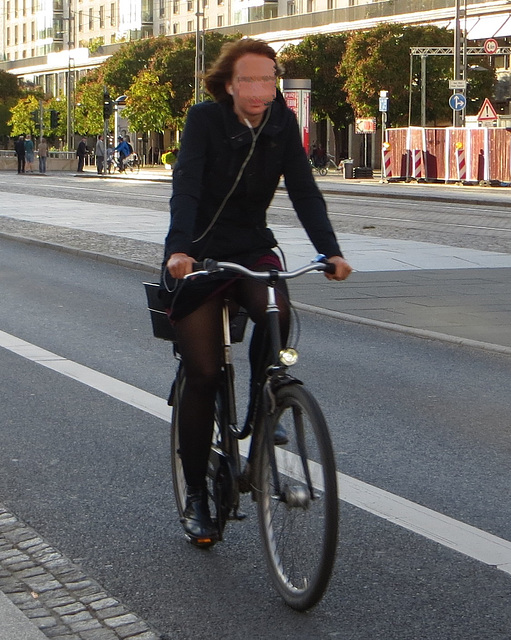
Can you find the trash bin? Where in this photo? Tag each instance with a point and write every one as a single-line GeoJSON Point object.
{"type": "Point", "coordinates": [348, 168]}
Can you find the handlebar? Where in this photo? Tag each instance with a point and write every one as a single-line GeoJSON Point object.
{"type": "Point", "coordinates": [209, 266]}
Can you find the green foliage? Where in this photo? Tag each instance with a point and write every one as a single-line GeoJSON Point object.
{"type": "Point", "coordinates": [121, 69]}
{"type": "Point", "coordinates": [21, 121]}
{"type": "Point", "coordinates": [9, 88]}
{"type": "Point", "coordinates": [370, 63]}
{"type": "Point", "coordinates": [9, 94]}
{"type": "Point", "coordinates": [89, 107]}
{"type": "Point", "coordinates": [317, 57]}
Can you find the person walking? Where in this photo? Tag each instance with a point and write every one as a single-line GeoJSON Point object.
{"type": "Point", "coordinates": [81, 152]}
{"type": "Point", "coordinates": [100, 154]}
{"type": "Point", "coordinates": [42, 152]}
{"type": "Point", "coordinates": [19, 148]}
{"type": "Point", "coordinates": [29, 154]}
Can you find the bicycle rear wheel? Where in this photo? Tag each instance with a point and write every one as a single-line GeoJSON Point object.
{"type": "Point", "coordinates": [297, 501]}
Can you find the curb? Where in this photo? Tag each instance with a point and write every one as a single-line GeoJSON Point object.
{"type": "Point", "coordinates": [346, 317]}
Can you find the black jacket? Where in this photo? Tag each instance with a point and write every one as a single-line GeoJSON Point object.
{"type": "Point", "coordinates": [19, 148]}
{"type": "Point", "coordinates": [213, 148]}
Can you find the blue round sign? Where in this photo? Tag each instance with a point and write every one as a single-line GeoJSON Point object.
{"type": "Point", "coordinates": [457, 101]}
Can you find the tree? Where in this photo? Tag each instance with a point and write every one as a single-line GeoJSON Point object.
{"type": "Point", "coordinates": [22, 121]}
{"type": "Point", "coordinates": [9, 94]}
{"type": "Point", "coordinates": [377, 59]}
{"type": "Point", "coordinates": [89, 105]}
{"type": "Point", "coordinates": [121, 69]}
{"type": "Point", "coordinates": [148, 104]}
{"type": "Point", "coordinates": [317, 58]}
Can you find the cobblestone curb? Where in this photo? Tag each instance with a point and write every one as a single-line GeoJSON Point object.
{"type": "Point", "coordinates": [55, 594]}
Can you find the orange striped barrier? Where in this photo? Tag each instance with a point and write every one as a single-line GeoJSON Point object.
{"type": "Point", "coordinates": [387, 161]}
{"type": "Point", "coordinates": [461, 164]}
{"type": "Point", "coordinates": [417, 164]}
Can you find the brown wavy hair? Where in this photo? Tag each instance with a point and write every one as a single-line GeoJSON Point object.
{"type": "Point", "coordinates": [222, 69]}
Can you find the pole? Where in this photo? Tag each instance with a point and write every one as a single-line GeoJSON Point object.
{"type": "Point", "coordinates": [41, 123]}
{"type": "Point", "coordinates": [423, 90]}
{"type": "Point", "coordinates": [456, 117]}
{"type": "Point", "coordinates": [199, 53]}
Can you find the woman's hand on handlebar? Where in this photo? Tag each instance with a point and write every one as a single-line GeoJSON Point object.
{"type": "Point", "coordinates": [179, 265]}
{"type": "Point", "coordinates": [342, 268]}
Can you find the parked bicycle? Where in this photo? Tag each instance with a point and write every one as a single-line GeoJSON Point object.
{"type": "Point", "coordinates": [318, 168]}
{"type": "Point", "coordinates": [293, 484]}
{"type": "Point", "coordinates": [331, 165]}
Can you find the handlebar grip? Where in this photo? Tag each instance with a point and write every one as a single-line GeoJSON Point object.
{"type": "Point", "coordinates": [208, 264]}
{"type": "Point", "coordinates": [329, 267]}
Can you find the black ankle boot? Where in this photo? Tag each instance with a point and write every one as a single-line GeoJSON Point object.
{"type": "Point", "coordinates": [196, 519]}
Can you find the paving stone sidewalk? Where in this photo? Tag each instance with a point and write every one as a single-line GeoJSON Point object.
{"type": "Point", "coordinates": [55, 594]}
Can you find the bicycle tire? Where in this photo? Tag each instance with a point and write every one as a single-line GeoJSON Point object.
{"type": "Point", "coordinates": [223, 497]}
{"type": "Point", "coordinates": [298, 527]}
{"type": "Point", "coordinates": [322, 171]}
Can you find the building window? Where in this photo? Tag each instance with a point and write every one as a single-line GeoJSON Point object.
{"type": "Point", "coordinates": [330, 4]}
{"type": "Point", "coordinates": [162, 8]}
{"type": "Point", "coordinates": [24, 8]}
{"type": "Point", "coordinates": [220, 20]}
{"type": "Point", "coordinates": [205, 23]}
{"type": "Point", "coordinates": [112, 14]}
{"type": "Point", "coordinates": [102, 16]}
{"type": "Point", "coordinates": [80, 20]}
{"type": "Point", "coordinates": [32, 31]}
{"type": "Point", "coordinates": [310, 6]}
{"type": "Point", "coordinates": [8, 36]}
{"type": "Point", "coordinates": [16, 34]}
{"type": "Point", "coordinates": [175, 6]}
{"type": "Point", "coordinates": [189, 25]}
{"type": "Point", "coordinates": [175, 27]}
{"type": "Point", "coordinates": [24, 31]}
{"type": "Point", "coordinates": [189, 5]}
{"type": "Point", "coordinates": [91, 19]}
{"type": "Point", "coordinates": [8, 9]}
{"type": "Point", "coordinates": [291, 8]}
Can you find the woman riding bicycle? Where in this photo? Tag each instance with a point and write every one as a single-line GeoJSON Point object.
{"type": "Point", "coordinates": [233, 153]}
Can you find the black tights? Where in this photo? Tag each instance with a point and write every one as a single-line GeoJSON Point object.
{"type": "Point", "coordinates": [199, 337]}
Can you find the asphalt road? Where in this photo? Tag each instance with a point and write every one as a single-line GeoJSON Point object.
{"type": "Point", "coordinates": [422, 420]}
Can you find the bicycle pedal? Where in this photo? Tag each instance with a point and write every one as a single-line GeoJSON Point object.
{"type": "Point", "coordinates": [201, 543]}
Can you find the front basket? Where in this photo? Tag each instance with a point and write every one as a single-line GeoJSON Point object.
{"type": "Point", "coordinates": [161, 324]}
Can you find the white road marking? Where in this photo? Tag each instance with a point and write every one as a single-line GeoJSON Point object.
{"type": "Point", "coordinates": [448, 532]}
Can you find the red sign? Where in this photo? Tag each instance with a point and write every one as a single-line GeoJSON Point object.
{"type": "Point", "coordinates": [487, 112]}
{"type": "Point", "coordinates": [491, 46]}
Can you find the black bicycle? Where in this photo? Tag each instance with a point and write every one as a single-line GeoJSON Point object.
{"type": "Point", "coordinates": [293, 484]}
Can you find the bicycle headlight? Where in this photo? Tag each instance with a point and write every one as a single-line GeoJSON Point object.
{"type": "Point", "coordinates": [288, 356]}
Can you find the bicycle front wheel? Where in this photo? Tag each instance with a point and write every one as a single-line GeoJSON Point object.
{"type": "Point", "coordinates": [297, 502]}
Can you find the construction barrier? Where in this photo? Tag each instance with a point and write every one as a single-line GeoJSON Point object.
{"type": "Point", "coordinates": [386, 161]}
{"type": "Point", "coordinates": [418, 164]}
{"type": "Point", "coordinates": [450, 154]}
{"type": "Point", "coordinates": [461, 164]}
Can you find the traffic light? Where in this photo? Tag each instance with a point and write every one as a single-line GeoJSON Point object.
{"type": "Point", "coordinates": [54, 119]}
{"type": "Point", "coordinates": [35, 116]}
{"type": "Point", "coordinates": [108, 106]}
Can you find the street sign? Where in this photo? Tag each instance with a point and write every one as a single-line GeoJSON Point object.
{"type": "Point", "coordinates": [490, 46]}
{"type": "Point", "coordinates": [457, 84]}
{"type": "Point", "coordinates": [457, 102]}
{"type": "Point", "coordinates": [487, 112]}
{"type": "Point", "coordinates": [383, 104]}
{"type": "Point", "coordinates": [365, 125]}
